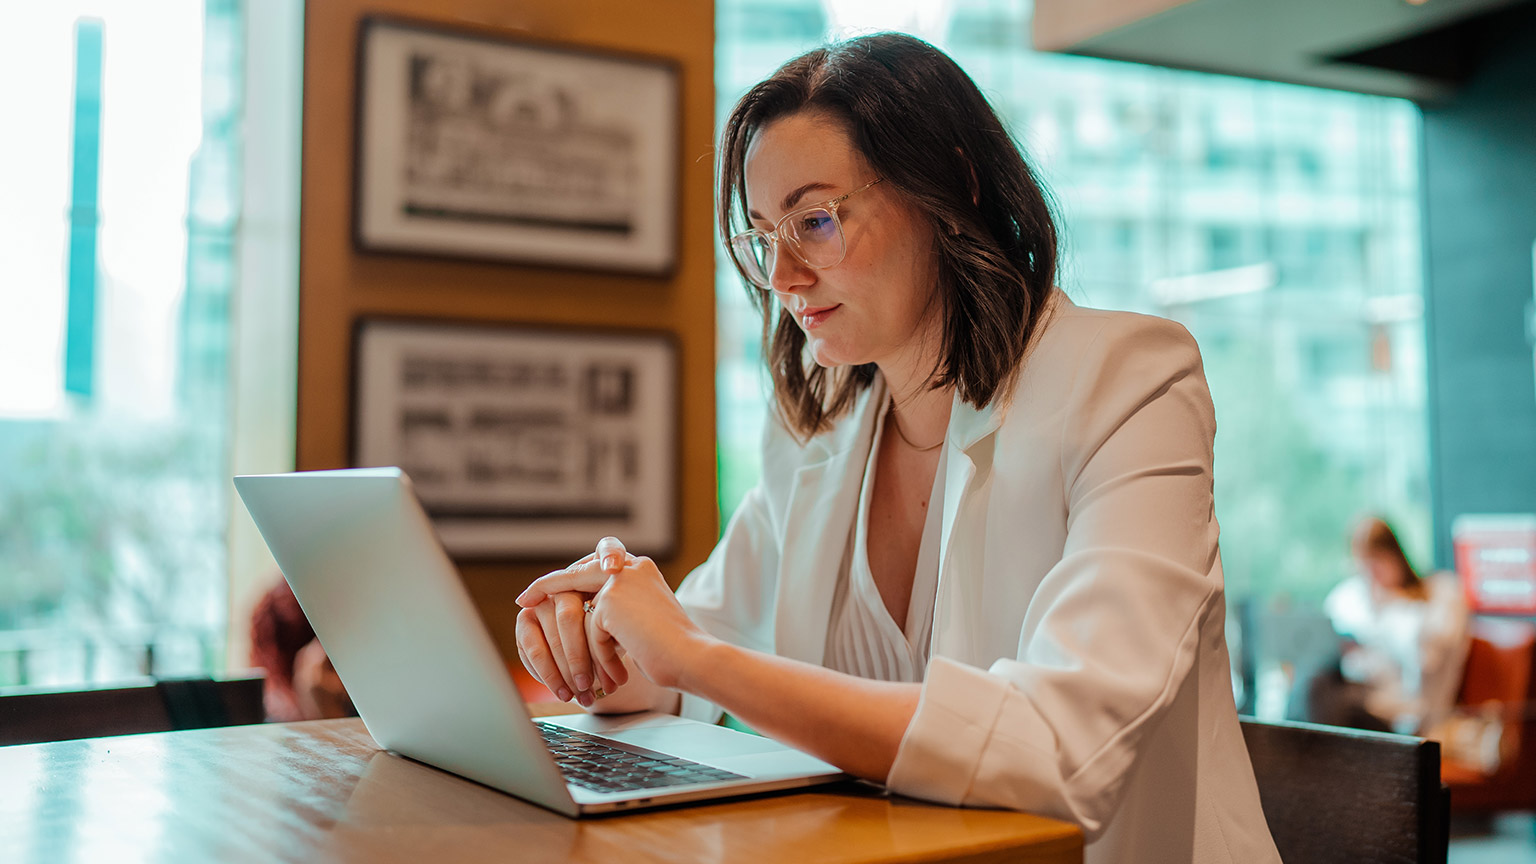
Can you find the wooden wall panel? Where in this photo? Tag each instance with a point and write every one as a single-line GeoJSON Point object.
{"type": "Point", "coordinates": [338, 284]}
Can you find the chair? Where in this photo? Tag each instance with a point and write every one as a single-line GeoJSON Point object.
{"type": "Point", "coordinates": [1501, 669]}
{"type": "Point", "coordinates": [167, 704]}
{"type": "Point", "coordinates": [1349, 796]}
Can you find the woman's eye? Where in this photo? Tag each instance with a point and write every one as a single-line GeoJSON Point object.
{"type": "Point", "coordinates": [816, 223]}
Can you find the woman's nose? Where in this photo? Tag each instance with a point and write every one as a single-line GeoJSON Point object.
{"type": "Point", "coordinates": [786, 273]}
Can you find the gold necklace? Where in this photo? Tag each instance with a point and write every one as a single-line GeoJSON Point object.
{"type": "Point", "coordinates": [890, 415]}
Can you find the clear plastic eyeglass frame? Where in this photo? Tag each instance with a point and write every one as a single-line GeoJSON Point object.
{"type": "Point", "coordinates": [754, 250]}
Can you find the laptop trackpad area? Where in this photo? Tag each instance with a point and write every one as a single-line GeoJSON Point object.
{"type": "Point", "coordinates": [751, 755]}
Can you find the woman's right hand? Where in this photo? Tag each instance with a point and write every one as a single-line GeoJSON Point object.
{"type": "Point", "coordinates": [554, 645]}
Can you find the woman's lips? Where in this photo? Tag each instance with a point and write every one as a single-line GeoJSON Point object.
{"type": "Point", "coordinates": [814, 317]}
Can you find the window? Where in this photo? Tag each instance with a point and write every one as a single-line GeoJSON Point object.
{"type": "Point", "coordinates": [1225, 210]}
{"type": "Point", "coordinates": [120, 272]}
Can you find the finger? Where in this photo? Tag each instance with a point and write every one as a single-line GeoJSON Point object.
{"type": "Point", "coordinates": [585, 578]}
{"type": "Point", "coordinates": [571, 621]}
{"type": "Point", "coordinates": [551, 630]}
{"type": "Point", "coordinates": [537, 657]}
{"type": "Point", "coordinates": [525, 642]}
{"type": "Point", "coordinates": [608, 684]}
{"type": "Point", "coordinates": [523, 661]}
{"type": "Point", "coordinates": [612, 553]}
{"type": "Point", "coordinates": [606, 654]}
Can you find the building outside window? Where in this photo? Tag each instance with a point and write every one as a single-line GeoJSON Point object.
{"type": "Point", "coordinates": [122, 176]}
{"type": "Point", "coordinates": [1280, 224]}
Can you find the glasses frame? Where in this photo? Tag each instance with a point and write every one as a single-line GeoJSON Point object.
{"type": "Point", "coordinates": [773, 239]}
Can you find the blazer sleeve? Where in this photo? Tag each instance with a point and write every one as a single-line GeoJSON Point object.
{"type": "Point", "coordinates": [1112, 632]}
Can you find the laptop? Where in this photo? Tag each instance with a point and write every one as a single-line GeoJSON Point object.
{"type": "Point", "coordinates": [429, 684]}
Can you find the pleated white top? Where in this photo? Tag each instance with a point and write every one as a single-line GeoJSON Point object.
{"type": "Point", "coordinates": [862, 637]}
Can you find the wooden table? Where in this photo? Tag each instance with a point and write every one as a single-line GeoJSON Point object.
{"type": "Point", "coordinates": [323, 791]}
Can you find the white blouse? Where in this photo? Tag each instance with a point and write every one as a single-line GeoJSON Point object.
{"type": "Point", "coordinates": [862, 637]}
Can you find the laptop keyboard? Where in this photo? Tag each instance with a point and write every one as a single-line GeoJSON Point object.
{"type": "Point", "coordinates": [603, 765]}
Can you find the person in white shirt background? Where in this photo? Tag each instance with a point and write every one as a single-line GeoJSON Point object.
{"type": "Point", "coordinates": [1403, 643]}
{"type": "Point", "coordinates": [981, 566]}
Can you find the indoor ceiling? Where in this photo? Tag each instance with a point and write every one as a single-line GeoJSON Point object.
{"type": "Point", "coordinates": [1418, 50]}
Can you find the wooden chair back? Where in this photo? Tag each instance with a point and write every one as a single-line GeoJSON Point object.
{"type": "Point", "coordinates": [167, 704]}
{"type": "Point", "coordinates": [1349, 796]}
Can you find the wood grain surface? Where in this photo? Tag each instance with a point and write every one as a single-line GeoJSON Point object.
{"type": "Point", "coordinates": [323, 791]}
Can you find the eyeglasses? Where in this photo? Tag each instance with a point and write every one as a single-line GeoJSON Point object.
{"type": "Point", "coordinates": [814, 235]}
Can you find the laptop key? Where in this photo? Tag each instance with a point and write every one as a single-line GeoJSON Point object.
{"type": "Point", "coordinates": [597, 764]}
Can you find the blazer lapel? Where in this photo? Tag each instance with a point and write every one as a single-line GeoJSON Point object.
{"type": "Point", "coordinates": [959, 609]}
{"type": "Point", "coordinates": [957, 605]}
{"type": "Point", "coordinates": [817, 526]}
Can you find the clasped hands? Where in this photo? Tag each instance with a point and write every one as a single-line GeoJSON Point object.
{"type": "Point", "coordinates": [577, 625]}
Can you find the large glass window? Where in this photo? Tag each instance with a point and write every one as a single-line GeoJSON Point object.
{"type": "Point", "coordinates": [1278, 223]}
{"type": "Point", "coordinates": [121, 171]}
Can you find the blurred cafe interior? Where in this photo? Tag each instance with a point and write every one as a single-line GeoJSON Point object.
{"type": "Point", "coordinates": [232, 242]}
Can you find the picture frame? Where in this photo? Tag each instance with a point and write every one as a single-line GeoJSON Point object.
{"type": "Point", "coordinates": [524, 442]}
{"type": "Point", "coordinates": [476, 144]}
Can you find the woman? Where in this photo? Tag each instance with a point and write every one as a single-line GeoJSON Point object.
{"type": "Point", "coordinates": [981, 566]}
{"type": "Point", "coordinates": [1404, 642]}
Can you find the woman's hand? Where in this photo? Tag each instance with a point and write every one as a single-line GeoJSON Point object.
{"type": "Point", "coordinates": [854, 723]}
{"type": "Point", "coordinates": [552, 645]}
{"type": "Point", "coordinates": [316, 687]}
{"type": "Point", "coordinates": [552, 638]}
{"type": "Point", "coordinates": [633, 612]}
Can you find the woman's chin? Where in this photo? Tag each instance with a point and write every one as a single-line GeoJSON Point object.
{"type": "Point", "coordinates": [829, 352]}
{"type": "Point", "coordinates": [826, 356]}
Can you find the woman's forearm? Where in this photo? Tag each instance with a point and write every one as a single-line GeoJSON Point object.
{"type": "Point", "coordinates": [853, 723]}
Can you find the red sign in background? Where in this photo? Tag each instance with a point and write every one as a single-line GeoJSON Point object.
{"type": "Point", "coordinates": [1496, 559]}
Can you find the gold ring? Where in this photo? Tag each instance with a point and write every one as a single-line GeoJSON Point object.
{"type": "Point", "coordinates": [597, 689]}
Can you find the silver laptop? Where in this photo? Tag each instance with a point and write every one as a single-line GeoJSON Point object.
{"type": "Point", "coordinates": [389, 609]}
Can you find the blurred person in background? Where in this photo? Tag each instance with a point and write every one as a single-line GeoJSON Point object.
{"type": "Point", "coordinates": [301, 683]}
{"type": "Point", "coordinates": [1403, 643]}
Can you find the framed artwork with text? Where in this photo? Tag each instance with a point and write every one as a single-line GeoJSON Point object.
{"type": "Point", "coordinates": [524, 442]}
{"type": "Point", "coordinates": [472, 143]}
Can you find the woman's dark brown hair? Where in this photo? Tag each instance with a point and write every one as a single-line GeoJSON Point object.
{"type": "Point", "coordinates": [928, 131]}
{"type": "Point", "coordinates": [1374, 538]}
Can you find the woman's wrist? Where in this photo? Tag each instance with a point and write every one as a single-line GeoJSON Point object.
{"type": "Point", "coordinates": [702, 659]}
{"type": "Point", "coordinates": [636, 694]}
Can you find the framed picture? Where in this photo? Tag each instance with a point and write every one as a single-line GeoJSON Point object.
{"type": "Point", "coordinates": [524, 442]}
{"type": "Point", "coordinates": [485, 146]}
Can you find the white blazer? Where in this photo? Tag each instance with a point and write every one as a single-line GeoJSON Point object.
{"type": "Point", "coordinates": [1079, 667]}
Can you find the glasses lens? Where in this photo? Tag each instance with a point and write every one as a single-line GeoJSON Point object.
{"type": "Point", "coordinates": [752, 254]}
{"type": "Point", "coordinates": [815, 236]}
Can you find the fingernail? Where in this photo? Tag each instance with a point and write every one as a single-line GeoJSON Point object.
{"type": "Point", "coordinates": [613, 562]}
{"type": "Point", "coordinates": [585, 699]}
{"type": "Point", "coordinates": [583, 682]}
{"type": "Point", "coordinates": [564, 694]}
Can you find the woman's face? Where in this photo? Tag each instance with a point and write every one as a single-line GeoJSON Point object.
{"type": "Point", "coordinates": [879, 305]}
{"type": "Point", "coordinates": [1381, 570]}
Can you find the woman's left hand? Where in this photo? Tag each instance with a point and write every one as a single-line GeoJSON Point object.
{"type": "Point", "coordinates": [635, 609]}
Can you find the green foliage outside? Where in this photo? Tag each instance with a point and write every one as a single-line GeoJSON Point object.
{"type": "Point", "coordinates": [111, 545]}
